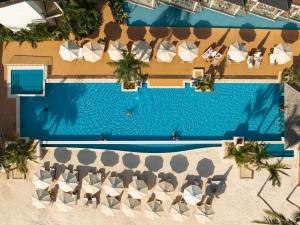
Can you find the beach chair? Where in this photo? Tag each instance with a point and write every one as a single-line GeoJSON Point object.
{"type": "Point", "coordinates": [85, 202]}
{"type": "Point", "coordinates": [94, 202]}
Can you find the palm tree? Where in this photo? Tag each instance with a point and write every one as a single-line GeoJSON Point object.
{"type": "Point", "coordinates": [258, 151]}
{"type": "Point", "coordinates": [128, 69]}
{"type": "Point", "coordinates": [241, 156]}
{"type": "Point", "coordinates": [19, 153]}
{"type": "Point", "coordinates": [291, 75]}
{"type": "Point", "coordinates": [274, 218]}
{"type": "Point", "coordinates": [275, 170]}
{"type": "Point", "coordinates": [207, 83]}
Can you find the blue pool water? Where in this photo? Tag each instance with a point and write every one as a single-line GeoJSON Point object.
{"type": "Point", "coordinates": [166, 15]}
{"type": "Point", "coordinates": [90, 111]}
{"type": "Point", "coordinates": [26, 81]}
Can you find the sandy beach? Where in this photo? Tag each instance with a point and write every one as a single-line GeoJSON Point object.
{"type": "Point", "coordinates": [237, 205]}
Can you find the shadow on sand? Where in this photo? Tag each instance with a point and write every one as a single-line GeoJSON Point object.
{"type": "Point", "coordinates": [109, 158]}
{"type": "Point", "coordinates": [86, 157]}
{"type": "Point", "coordinates": [205, 167]}
{"type": "Point", "coordinates": [154, 163]}
{"type": "Point", "coordinates": [62, 155]}
{"type": "Point", "coordinates": [131, 161]}
{"type": "Point", "coordinates": [179, 163]}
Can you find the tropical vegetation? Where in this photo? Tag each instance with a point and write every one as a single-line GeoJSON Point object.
{"type": "Point", "coordinates": [291, 75]}
{"type": "Point", "coordinates": [254, 153]}
{"type": "Point", "coordinates": [128, 69]}
{"type": "Point", "coordinates": [207, 83]}
{"type": "Point", "coordinates": [275, 218]}
{"type": "Point", "coordinates": [117, 10]}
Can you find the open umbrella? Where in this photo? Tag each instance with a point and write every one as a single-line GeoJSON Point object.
{"type": "Point", "coordinates": [115, 51]}
{"type": "Point", "coordinates": [165, 52]}
{"type": "Point", "coordinates": [65, 201]}
{"type": "Point", "coordinates": [42, 179]}
{"type": "Point", "coordinates": [110, 205]}
{"type": "Point", "coordinates": [192, 194]}
{"type": "Point", "coordinates": [67, 181]}
{"type": "Point", "coordinates": [41, 198]}
{"type": "Point", "coordinates": [187, 51]}
{"type": "Point", "coordinates": [137, 188]}
{"type": "Point", "coordinates": [164, 190]}
{"type": "Point", "coordinates": [91, 183]}
{"type": "Point", "coordinates": [180, 212]}
{"type": "Point", "coordinates": [237, 52]}
{"type": "Point", "coordinates": [203, 214]}
{"type": "Point", "coordinates": [113, 186]}
{"type": "Point", "coordinates": [69, 51]}
{"type": "Point", "coordinates": [130, 206]}
{"type": "Point", "coordinates": [93, 51]}
{"type": "Point", "coordinates": [154, 209]}
{"type": "Point", "coordinates": [141, 50]}
{"type": "Point", "coordinates": [282, 53]}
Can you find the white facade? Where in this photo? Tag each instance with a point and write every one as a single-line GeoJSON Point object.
{"type": "Point", "coordinates": [19, 15]}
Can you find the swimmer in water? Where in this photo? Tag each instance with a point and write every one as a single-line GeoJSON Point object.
{"type": "Point", "coordinates": [128, 113]}
{"type": "Point", "coordinates": [46, 109]}
{"type": "Point", "coordinates": [174, 136]}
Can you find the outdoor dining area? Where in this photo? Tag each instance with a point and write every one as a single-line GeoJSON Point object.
{"type": "Point", "coordinates": [165, 52]}
{"type": "Point", "coordinates": [113, 193]}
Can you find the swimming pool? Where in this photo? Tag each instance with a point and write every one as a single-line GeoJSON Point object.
{"type": "Point", "coordinates": [166, 15]}
{"type": "Point", "coordinates": [26, 81]}
{"type": "Point", "coordinates": [89, 111]}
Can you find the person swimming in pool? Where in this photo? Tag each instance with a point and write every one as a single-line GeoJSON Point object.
{"type": "Point", "coordinates": [129, 113]}
{"type": "Point", "coordinates": [46, 109]}
{"type": "Point", "coordinates": [174, 135]}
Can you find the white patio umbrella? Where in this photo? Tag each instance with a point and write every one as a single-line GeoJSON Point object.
{"type": "Point", "coordinates": [113, 186]}
{"type": "Point", "coordinates": [180, 212]}
{"type": "Point", "coordinates": [65, 201]}
{"type": "Point", "coordinates": [42, 179]}
{"type": "Point", "coordinates": [141, 50]}
{"type": "Point", "coordinates": [115, 50]}
{"type": "Point", "coordinates": [164, 190]}
{"type": "Point", "coordinates": [110, 205]}
{"type": "Point", "coordinates": [237, 52]}
{"type": "Point", "coordinates": [137, 188]}
{"type": "Point", "coordinates": [69, 51]}
{"type": "Point", "coordinates": [67, 181]}
{"type": "Point", "coordinates": [40, 198]}
{"type": "Point", "coordinates": [192, 194]}
{"type": "Point", "coordinates": [203, 215]}
{"type": "Point", "coordinates": [187, 51]}
{"type": "Point", "coordinates": [166, 51]}
{"type": "Point", "coordinates": [93, 51]}
{"type": "Point", "coordinates": [130, 206]}
{"type": "Point", "coordinates": [91, 183]}
{"type": "Point", "coordinates": [282, 53]}
{"type": "Point", "coordinates": [154, 209]}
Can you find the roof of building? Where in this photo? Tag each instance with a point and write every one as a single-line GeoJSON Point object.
{"type": "Point", "coordinates": [280, 4]}
{"type": "Point", "coordinates": [237, 2]}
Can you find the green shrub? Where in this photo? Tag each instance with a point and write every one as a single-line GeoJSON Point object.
{"type": "Point", "coordinates": [6, 34]}
{"type": "Point", "coordinates": [117, 10]}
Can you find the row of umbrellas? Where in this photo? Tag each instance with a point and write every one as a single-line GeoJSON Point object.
{"type": "Point", "coordinates": [166, 51]}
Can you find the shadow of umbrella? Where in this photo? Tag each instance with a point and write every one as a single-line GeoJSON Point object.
{"type": "Point", "coordinates": [290, 33]}
{"type": "Point", "coordinates": [109, 158]}
{"type": "Point", "coordinates": [205, 167]}
{"type": "Point", "coordinates": [159, 32]}
{"type": "Point", "coordinates": [202, 29]}
{"type": "Point", "coordinates": [112, 31]}
{"type": "Point", "coordinates": [247, 32]}
{"type": "Point", "coordinates": [154, 163]}
{"type": "Point", "coordinates": [131, 160]}
{"type": "Point", "coordinates": [62, 155]}
{"type": "Point", "coordinates": [86, 157]}
{"type": "Point", "coordinates": [181, 33]}
{"type": "Point", "coordinates": [136, 33]}
{"type": "Point", "coordinates": [179, 163]}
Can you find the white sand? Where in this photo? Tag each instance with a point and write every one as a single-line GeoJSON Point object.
{"type": "Point", "coordinates": [238, 205]}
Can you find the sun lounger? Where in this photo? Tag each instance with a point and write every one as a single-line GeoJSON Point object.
{"type": "Point", "coordinates": [207, 54]}
{"type": "Point", "coordinates": [85, 202]}
{"type": "Point", "coordinates": [216, 59]}
{"type": "Point", "coordinates": [272, 60]}
{"type": "Point", "coordinates": [94, 202]}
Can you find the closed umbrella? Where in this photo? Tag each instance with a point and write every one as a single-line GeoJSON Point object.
{"type": "Point", "coordinates": [164, 190]}
{"type": "Point", "coordinates": [282, 53]}
{"type": "Point", "coordinates": [115, 51]}
{"type": "Point", "coordinates": [187, 51]}
{"type": "Point", "coordinates": [110, 206]}
{"type": "Point", "coordinates": [65, 201]}
{"type": "Point", "coordinates": [237, 52]}
{"type": "Point", "coordinates": [91, 183]}
{"type": "Point", "coordinates": [67, 181]}
{"type": "Point", "coordinates": [113, 186]}
{"type": "Point", "coordinates": [166, 52]}
{"type": "Point", "coordinates": [93, 51]}
{"type": "Point", "coordinates": [192, 194]}
{"type": "Point", "coordinates": [203, 215]}
{"type": "Point", "coordinates": [41, 198]}
{"type": "Point", "coordinates": [137, 188]}
{"type": "Point", "coordinates": [130, 206]}
{"type": "Point", "coordinates": [69, 51]}
{"type": "Point", "coordinates": [154, 209]}
{"type": "Point", "coordinates": [180, 212]}
{"type": "Point", "coordinates": [141, 50]}
{"type": "Point", "coordinates": [42, 179]}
